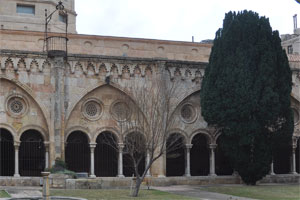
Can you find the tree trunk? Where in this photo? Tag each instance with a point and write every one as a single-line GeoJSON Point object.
{"type": "Point", "coordinates": [137, 187]}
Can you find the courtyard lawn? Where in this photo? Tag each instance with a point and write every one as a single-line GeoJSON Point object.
{"type": "Point", "coordinates": [4, 194]}
{"type": "Point", "coordinates": [264, 192]}
{"type": "Point", "coordinates": [102, 194]}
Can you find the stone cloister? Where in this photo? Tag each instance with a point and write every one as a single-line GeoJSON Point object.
{"type": "Point", "coordinates": [48, 104]}
{"type": "Point", "coordinates": [56, 107]}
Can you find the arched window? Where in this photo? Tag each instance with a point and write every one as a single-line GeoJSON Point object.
{"type": "Point", "coordinates": [32, 153]}
{"type": "Point", "coordinates": [106, 155]}
{"type": "Point", "coordinates": [7, 155]}
{"type": "Point", "coordinates": [199, 156]}
{"type": "Point", "coordinates": [175, 162]}
{"type": "Point", "coordinates": [135, 149]}
{"type": "Point", "coordinates": [78, 152]}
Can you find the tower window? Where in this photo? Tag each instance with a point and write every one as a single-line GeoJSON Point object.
{"type": "Point", "coordinates": [290, 49]}
{"type": "Point", "coordinates": [26, 9]}
{"type": "Point", "coordinates": [62, 18]}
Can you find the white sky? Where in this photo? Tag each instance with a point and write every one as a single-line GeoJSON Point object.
{"type": "Point", "coordinates": [175, 19]}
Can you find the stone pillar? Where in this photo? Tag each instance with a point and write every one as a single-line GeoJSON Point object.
{"type": "Point", "coordinates": [187, 159]}
{"type": "Point", "coordinates": [17, 145]}
{"type": "Point", "coordinates": [46, 187]}
{"type": "Point", "coordinates": [120, 160]}
{"type": "Point", "coordinates": [293, 167]}
{"type": "Point", "coordinates": [212, 148]}
{"type": "Point", "coordinates": [92, 149]}
{"type": "Point", "coordinates": [148, 162]}
{"type": "Point", "coordinates": [272, 168]}
{"type": "Point", "coordinates": [46, 154]}
{"type": "Point", "coordinates": [293, 157]}
{"type": "Point", "coordinates": [58, 102]}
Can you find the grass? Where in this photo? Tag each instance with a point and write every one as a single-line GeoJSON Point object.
{"type": "Point", "coordinates": [102, 194]}
{"type": "Point", "coordinates": [4, 194]}
{"type": "Point", "coordinates": [263, 192]}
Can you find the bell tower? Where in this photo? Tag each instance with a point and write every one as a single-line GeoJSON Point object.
{"type": "Point", "coordinates": [30, 15]}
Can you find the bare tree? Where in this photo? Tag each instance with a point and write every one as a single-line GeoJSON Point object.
{"type": "Point", "coordinates": [150, 120]}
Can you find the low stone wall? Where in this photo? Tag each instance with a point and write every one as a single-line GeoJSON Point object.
{"type": "Point", "coordinates": [112, 182]}
{"type": "Point", "coordinates": [281, 178]}
{"type": "Point", "coordinates": [115, 182]}
{"type": "Point", "coordinates": [20, 181]}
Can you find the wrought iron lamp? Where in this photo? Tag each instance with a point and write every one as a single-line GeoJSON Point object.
{"type": "Point", "coordinates": [56, 45]}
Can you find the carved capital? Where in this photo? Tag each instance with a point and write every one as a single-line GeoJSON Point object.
{"type": "Point", "coordinates": [121, 146]}
{"type": "Point", "coordinates": [188, 146]}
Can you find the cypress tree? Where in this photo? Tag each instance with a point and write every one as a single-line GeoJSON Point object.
{"type": "Point", "coordinates": [246, 92]}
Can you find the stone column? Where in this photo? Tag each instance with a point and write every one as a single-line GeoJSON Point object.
{"type": "Point", "coordinates": [17, 145]}
{"type": "Point", "coordinates": [293, 167]}
{"type": "Point", "coordinates": [92, 149]}
{"type": "Point", "coordinates": [212, 148]}
{"type": "Point", "coordinates": [46, 187]}
{"type": "Point", "coordinates": [187, 159]}
{"type": "Point", "coordinates": [148, 162]}
{"type": "Point", "coordinates": [120, 161]}
{"type": "Point", "coordinates": [293, 157]}
{"type": "Point", "coordinates": [272, 168]}
{"type": "Point", "coordinates": [46, 154]}
{"type": "Point", "coordinates": [57, 72]}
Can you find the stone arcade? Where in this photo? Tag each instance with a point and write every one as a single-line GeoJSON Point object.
{"type": "Point", "coordinates": [54, 108]}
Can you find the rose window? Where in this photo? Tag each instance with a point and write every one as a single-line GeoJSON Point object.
{"type": "Point", "coordinates": [120, 111]}
{"type": "Point", "coordinates": [188, 113]}
{"type": "Point", "coordinates": [92, 109]}
{"type": "Point", "coordinates": [16, 106]}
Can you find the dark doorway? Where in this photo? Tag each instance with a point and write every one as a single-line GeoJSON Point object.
{"type": "Point", "coordinates": [78, 152]}
{"type": "Point", "coordinates": [106, 155]}
{"type": "Point", "coordinates": [32, 154]}
{"type": "Point", "coordinates": [175, 161]}
{"type": "Point", "coordinates": [223, 166]}
{"type": "Point", "coordinates": [199, 156]}
{"type": "Point", "coordinates": [135, 144]}
{"type": "Point", "coordinates": [282, 159]}
{"type": "Point", "coordinates": [298, 156]}
{"type": "Point", "coordinates": [7, 155]}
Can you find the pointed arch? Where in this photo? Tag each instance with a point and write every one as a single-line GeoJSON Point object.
{"type": "Point", "coordinates": [113, 130]}
{"type": "Point", "coordinates": [92, 88]}
{"type": "Point", "coordinates": [32, 95]}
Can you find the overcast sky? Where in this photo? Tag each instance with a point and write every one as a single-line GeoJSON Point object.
{"type": "Point", "coordinates": [175, 19]}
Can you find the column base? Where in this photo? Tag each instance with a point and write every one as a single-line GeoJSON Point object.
{"type": "Point", "coordinates": [188, 175]}
{"type": "Point", "coordinates": [293, 173]}
{"type": "Point", "coordinates": [16, 175]}
{"type": "Point", "coordinates": [92, 176]}
{"type": "Point", "coordinates": [161, 176]}
{"type": "Point", "coordinates": [212, 174]}
{"type": "Point", "coordinates": [121, 176]}
{"type": "Point", "coordinates": [272, 174]}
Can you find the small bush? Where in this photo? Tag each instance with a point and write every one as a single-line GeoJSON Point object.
{"type": "Point", "coordinates": [60, 167]}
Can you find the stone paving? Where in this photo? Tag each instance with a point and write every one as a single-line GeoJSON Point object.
{"type": "Point", "coordinates": [18, 192]}
{"type": "Point", "coordinates": [185, 190]}
{"type": "Point", "coordinates": [195, 191]}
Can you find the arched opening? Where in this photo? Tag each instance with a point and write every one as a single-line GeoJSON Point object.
{"type": "Point", "coordinates": [78, 152]}
{"type": "Point", "coordinates": [32, 153]}
{"type": "Point", "coordinates": [223, 166]}
{"type": "Point", "coordinates": [199, 156]}
{"type": "Point", "coordinates": [298, 156]}
{"type": "Point", "coordinates": [135, 149]}
{"type": "Point", "coordinates": [106, 155]}
{"type": "Point", "coordinates": [282, 159]}
{"type": "Point", "coordinates": [175, 161]}
{"type": "Point", "coordinates": [7, 155]}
